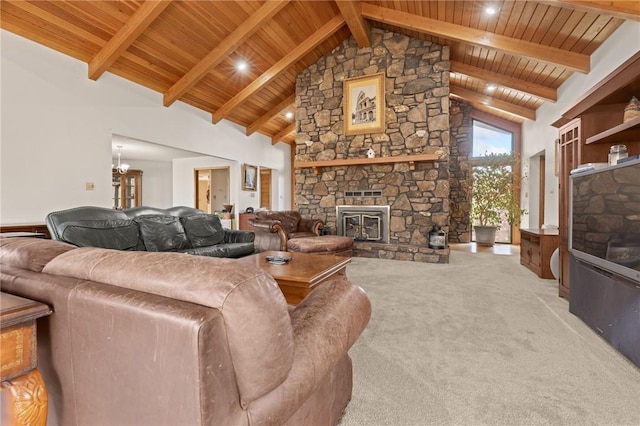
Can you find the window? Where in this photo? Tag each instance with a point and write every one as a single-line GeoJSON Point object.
{"type": "Point", "coordinates": [488, 139]}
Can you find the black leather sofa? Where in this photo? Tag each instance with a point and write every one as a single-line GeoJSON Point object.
{"type": "Point", "coordinates": [179, 229]}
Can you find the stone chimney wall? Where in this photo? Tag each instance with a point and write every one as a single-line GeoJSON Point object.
{"type": "Point", "coordinates": [460, 175]}
{"type": "Point", "coordinates": [417, 98]}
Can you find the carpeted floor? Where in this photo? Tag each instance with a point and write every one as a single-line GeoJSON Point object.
{"type": "Point", "coordinates": [480, 341]}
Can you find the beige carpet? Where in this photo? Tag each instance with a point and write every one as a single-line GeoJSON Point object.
{"type": "Point", "coordinates": [480, 341]}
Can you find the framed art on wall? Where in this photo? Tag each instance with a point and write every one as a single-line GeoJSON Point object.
{"type": "Point", "coordinates": [364, 104]}
{"type": "Point", "coordinates": [249, 177]}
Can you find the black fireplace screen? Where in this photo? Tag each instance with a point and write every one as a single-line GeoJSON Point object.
{"type": "Point", "coordinates": [362, 226]}
{"type": "Point", "coordinates": [363, 223]}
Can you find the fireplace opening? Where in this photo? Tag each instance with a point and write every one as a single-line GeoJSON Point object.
{"type": "Point", "coordinates": [363, 223]}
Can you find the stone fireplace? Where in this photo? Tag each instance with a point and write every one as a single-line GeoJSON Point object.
{"type": "Point", "coordinates": [363, 223]}
{"type": "Point", "coordinates": [408, 175]}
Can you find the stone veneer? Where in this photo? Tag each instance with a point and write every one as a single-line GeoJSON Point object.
{"type": "Point", "coordinates": [417, 98]}
{"type": "Point", "coordinates": [460, 178]}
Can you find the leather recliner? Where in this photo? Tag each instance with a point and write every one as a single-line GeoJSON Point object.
{"type": "Point", "coordinates": [274, 228]}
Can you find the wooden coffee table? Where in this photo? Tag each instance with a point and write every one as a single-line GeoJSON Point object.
{"type": "Point", "coordinates": [300, 275]}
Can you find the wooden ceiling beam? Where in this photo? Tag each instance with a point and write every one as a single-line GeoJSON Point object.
{"type": "Point", "coordinates": [302, 49]}
{"type": "Point", "coordinates": [534, 89]}
{"type": "Point", "coordinates": [482, 99]}
{"type": "Point", "coordinates": [359, 27]}
{"type": "Point", "coordinates": [284, 132]}
{"type": "Point", "coordinates": [570, 60]}
{"type": "Point", "coordinates": [617, 9]}
{"type": "Point", "coordinates": [222, 50]}
{"type": "Point", "coordinates": [275, 111]}
{"type": "Point", "coordinates": [36, 33]}
{"type": "Point", "coordinates": [125, 36]}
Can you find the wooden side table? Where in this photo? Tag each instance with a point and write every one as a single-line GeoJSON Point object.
{"type": "Point", "coordinates": [244, 221]}
{"type": "Point", "coordinates": [536, 248]}
{"type": "Point", "coordinates": [23, 234]}
{"type": "Point", "coordinates": [23, 391]}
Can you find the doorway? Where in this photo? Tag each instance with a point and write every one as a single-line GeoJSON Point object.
{"type": "Point", "coordinates": [212, 189]}
{"type": "Point", "coordinates": [265, 188]}
{"type": "Point", "coordinates": [536, 189]}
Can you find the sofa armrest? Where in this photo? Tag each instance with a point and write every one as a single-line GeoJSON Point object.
{"type": "Point", "coordinates": [265, 225]}
{"type": "Point", "coordinates": [236, 236]}
{"type": "Point", "coordinates": [325, 325]}
{"type": "Point", "coordinates": [310, 225]}
{"type": "Point", "coordinates": [270, 235]}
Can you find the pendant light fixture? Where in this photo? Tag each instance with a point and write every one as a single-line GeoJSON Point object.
{"type": "Point", "coordinates": [121, 167]}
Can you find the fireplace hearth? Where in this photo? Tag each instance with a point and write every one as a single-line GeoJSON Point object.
{"type": "Point", "coordinates": [363, 223]}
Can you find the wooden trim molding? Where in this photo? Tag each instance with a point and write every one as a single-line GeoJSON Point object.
{"type": "Point", "coordinates": [39, 228]}
{"type": "Point", "coordinates": [411, 159]}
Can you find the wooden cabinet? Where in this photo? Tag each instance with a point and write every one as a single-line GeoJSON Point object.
{"type": "Point", "coordinates": [569, 153]}
{"type": "Point", "coordinates": [536, 248]}
{"type": "Point", "coordinates": [587, 129]}
{"type": "Point", "coordinates": [608, 303]}
{"type": "Point", "coordinates": [127, 189]}
{"type": "Point", "coordinates": [244, 221]}
{"type": "Point", "coordinates": [24, 395]}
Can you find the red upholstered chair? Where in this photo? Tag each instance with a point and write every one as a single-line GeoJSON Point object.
{"type": "Point", "coordinates": [274, 228]}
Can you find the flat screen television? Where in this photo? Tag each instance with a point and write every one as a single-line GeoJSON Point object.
{"type": "Point", "coordinates": [604, 218]}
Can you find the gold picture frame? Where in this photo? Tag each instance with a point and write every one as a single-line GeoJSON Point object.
{"type": "Point", "coordinates": [363, 104]}
{"type": "Point", "coordinates": [249, 177]}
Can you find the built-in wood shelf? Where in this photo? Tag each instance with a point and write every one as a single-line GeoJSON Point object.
{"type": "Point", "coordinates": [411, 159]}
{"type": "Point", "coordinates": [629, 131]}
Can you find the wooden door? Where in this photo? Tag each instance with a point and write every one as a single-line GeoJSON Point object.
{"type": "Point", "coordinates": [265, 188]}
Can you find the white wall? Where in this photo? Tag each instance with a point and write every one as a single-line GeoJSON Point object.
{"type": "Point", "coordinates": [540, 135]}
{"type": "Point", "coordinates": [57, 126]}
{"type": "Point", "coordinates": [157, 182]}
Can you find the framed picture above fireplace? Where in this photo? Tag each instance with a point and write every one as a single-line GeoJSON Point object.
{"type": "Point", "coordinates": [364, 104]}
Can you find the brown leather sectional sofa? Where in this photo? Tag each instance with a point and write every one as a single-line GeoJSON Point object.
{"type": "Point", "coordinates": [142, 338]}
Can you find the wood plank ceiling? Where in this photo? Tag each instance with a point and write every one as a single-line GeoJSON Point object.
{"type": "Point", "coordinates": [508, 64]}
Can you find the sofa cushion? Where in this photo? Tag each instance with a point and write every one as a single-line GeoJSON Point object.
{"type": "Point", "coordinates": [30, 253]}
{"type": "Point", "coordinates": [119, 234]}
{"type": "Point", "coordinates": [203, 230]}
{"type": "Point", "coordinates": [240, 249]}
{"type": "Point", "coordinates": [162, 233]}
{"type": "Point", "coordinates": [325, 244]}
{"type": "Point", "coordinates": [289, 219]}
{"type": "Point", "coordinates": [301, 235]}
{"type": "Point", "coordinates": [231, 250]}
{"type": "Point", "coordinates": [289, 223]}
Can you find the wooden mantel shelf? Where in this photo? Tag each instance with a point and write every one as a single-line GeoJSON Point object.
{"type": "Point", "coordinates": [411, 159]}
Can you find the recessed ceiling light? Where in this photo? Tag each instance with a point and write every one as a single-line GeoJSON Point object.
{"type": "Point", "coordinates": [490, 10]}
{"type": "Point", "coordinates": [289, 115]}
{"type": "Point", "coordinates": [491, 87]}
{"type": "Point", "coordinates": [241, 66]}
